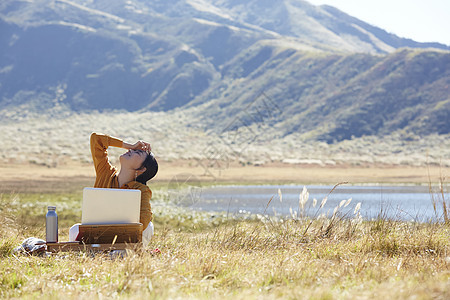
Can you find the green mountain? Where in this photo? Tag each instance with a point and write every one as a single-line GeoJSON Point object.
{"type": "Point", "coordinates": [286, 64]}
{"type": "Point", "coordinates": [335, 97]}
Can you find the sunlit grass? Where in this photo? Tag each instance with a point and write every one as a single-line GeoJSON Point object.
{"type": "Point", "coordinates": [211, 255]}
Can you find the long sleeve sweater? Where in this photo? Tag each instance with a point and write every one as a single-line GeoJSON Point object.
{"type": "Point", "coordinates": [107, 174]}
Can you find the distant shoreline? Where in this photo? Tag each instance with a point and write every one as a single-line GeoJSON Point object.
{"type": "Point", "coordinates": [35, 178]}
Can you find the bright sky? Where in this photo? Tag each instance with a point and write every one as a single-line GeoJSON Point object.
{"type": "Point", "coordinates": [420, 20]}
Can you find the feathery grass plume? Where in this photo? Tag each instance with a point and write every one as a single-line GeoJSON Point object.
{"type": "Point", "coordinates": [317, 214]}
{"type": "Point", "coordinates": [446, 211]}
{"type": "Point", "coordinates": [280, 195]}
{"type": "Point", "coordinates": [293, 213]}
{"type": "Point", "coordinates": [335, 211]}
{"type": "Point", "coordinates": [348, 202]}
{"type": "Point", "coordinates": [324, 201]}
{"type": "Point", "coordinates": [304, 196]}
{"type": "Point", "coordinates": [314, 202]}
{"type": "Point", "coordinates": [357, 208]}
{"type": "Point", "coordinates": [267, 206]}
{"type": "Point", "coordinates": [439, 200]}
{"type": "Point", "coordinates": [342, 203]}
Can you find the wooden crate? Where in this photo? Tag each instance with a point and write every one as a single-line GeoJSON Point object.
{"type": "Point", "coordinates": [111, 233]}
{"type": "Point", "coordinates": [77, 246]}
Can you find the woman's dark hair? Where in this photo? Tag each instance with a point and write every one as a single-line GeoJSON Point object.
{"type": "Point", "coordinates": [151, 168]}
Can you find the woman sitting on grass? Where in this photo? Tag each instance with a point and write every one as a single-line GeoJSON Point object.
{"type": "Point", "coordinates": [137, 166]}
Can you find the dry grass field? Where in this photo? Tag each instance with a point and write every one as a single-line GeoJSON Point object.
{"type": "Point", "coordinates": [216, 255]}
{"type": "Point", "coordinates": [208, 255]}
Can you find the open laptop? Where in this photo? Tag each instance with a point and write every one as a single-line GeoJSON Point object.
{"type": "Point", "coordinates": [110, 206]}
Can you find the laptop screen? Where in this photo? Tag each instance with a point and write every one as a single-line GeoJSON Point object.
{"type": "Point", "coordinates": [110, 206]}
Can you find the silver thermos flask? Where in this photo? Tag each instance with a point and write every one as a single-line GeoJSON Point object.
{"type": "Point", "coordinates": [51, 225]}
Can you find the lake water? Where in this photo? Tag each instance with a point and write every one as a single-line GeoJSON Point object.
{"type": "Point", "coordinates": [394, 202]}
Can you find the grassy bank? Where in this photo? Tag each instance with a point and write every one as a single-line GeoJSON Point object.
{"type": "Point", "coordinates": [213, 255]}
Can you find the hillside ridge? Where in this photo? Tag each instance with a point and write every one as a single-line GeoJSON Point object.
{"type": "Point", "coordinates": [329, 76]}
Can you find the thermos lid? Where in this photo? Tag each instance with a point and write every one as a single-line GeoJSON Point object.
{"type": "Point", "coordinates": [50, 207]}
